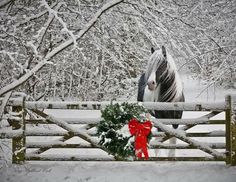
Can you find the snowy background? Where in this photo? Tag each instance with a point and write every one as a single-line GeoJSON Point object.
{"type": "Point", "coordinates": [96, 50]}
{"type": "Point", "coordinates": [127, 171]}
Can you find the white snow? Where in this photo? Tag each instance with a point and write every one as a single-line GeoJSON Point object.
{"type": "Point", "coordinates": [119, 171]}
{"type": "Point", "coordinates": [182, 135]}
{"type": "Point", "coordinates": [61, 171]}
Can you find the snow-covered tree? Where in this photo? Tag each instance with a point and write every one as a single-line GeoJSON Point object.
{"type": "Point", "coordinates": [95, 50]}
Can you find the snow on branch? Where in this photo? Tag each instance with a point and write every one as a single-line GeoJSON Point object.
{"type": "Point", "coordinates": [10, 55]}
{"type": "Point", "coordinates": [23, 79]}
{"type": "Point", "coordinates": [35, 16]}
{"type": "Point", "coordinates": [60, 48]}
{"type": "Point", "coordinates": [42, 32]}
{"type": "Point", "coordinates": [220, 69]}
{"type": "Point", "coordinates": [65, 29]}
{"type": "Point", "coordinates": [22, 68]}
{"type": "Point", "coordinates": [194, 58]}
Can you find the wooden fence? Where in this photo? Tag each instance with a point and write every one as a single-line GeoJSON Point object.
{"type": "Point", "coordinates": [25, 114]}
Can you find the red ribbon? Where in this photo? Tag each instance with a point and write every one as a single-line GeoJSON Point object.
{"type": "Point", "coordinates": [140, 131]}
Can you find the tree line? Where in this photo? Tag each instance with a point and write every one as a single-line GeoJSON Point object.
{"type": "Point", "coordinates": [96, 50]}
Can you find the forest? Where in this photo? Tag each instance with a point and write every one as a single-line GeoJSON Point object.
{"type": "Point", "coordinates": [97, 49]}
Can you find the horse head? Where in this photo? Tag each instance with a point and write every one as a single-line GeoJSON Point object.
{"type": "Point", "coordinates": [157, 66]}
{"type": "Point", "coordinates": [161, 81]}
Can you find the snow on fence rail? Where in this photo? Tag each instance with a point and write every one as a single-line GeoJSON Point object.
{"type": "Point", "coordinates": [89, 105]}
{"type": "Point", "coordinates": [24, 110]}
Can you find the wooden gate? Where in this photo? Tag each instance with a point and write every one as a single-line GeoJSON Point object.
{"type": "Point", "coordinates": [26, 114]}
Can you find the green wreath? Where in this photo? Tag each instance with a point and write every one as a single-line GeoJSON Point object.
{"type": "Point", "coordinates": [111, 129]}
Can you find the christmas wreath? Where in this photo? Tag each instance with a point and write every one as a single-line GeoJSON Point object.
{"type": "Point", "coordinates": [114, 132]}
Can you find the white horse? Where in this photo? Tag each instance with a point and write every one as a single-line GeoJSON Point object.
{"type": "Point", "coordinates": [161, 83]}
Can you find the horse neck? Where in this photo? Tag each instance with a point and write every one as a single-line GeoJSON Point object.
{"type": "Point", "coordinates": [170, 87]}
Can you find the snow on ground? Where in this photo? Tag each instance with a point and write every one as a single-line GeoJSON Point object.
{"type": "Point", "coordinates": [119, 172]}
{"type": "Point", "coordinates": [129, 171]}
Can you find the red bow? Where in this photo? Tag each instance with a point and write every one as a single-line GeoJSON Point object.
{"type": "Point", "coordinates": [140, 131]}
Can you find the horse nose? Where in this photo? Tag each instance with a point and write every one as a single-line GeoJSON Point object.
{"type": "Point", "coordinates": [151, 85]}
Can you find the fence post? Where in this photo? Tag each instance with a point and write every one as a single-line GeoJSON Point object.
{"type": "Point", "coordinates": [18, 143]}
{"type": "Point", "coordinates": [228, 130]}
{"type": "Point", "coordinates": [233, 131]}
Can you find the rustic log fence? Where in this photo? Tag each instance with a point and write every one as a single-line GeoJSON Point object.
{"type": "Point", "coordinates": [21, 118]}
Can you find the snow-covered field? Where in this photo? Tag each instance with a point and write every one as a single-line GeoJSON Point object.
{"type": "Point", "coordinates": [119, 172]}
{"type": "Point", "coordinates": [128, 171]}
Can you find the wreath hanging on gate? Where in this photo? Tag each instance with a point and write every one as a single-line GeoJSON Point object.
{"type": "Point", "coordinates": [113, 130]}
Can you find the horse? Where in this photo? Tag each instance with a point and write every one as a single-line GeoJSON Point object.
{"type": "Point", "coordinates": [161, 83]}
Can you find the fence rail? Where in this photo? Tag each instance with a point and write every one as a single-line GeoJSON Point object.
{"type": "Point", "coordinates": [90, 105]}
{"type": "Point", "coordinates": [21, 120]}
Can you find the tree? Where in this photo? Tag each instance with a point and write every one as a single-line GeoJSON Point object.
{"type": "Point", "coordinates": [66, 49]}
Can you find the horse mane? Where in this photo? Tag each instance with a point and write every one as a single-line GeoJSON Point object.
{"type": "Point", "coordinates": [154, 63]}
{"type": "Point", "coordinates": [171, 86]}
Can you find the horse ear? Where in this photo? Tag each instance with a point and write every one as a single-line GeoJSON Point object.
{"type": "Point", "coordinates": [163, 51]}
{"type": "Point", "coordinates": [152, 50]}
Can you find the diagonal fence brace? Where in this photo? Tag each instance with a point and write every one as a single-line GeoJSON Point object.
{"type": "Point", "coordinates": [71, 130]}
{"type": "Point", "coordinates": [181, 135]}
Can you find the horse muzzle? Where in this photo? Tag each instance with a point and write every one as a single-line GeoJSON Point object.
{"type": "Point", "coordinates": [151, 85]}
